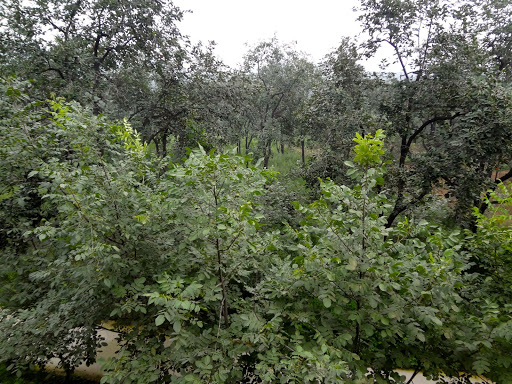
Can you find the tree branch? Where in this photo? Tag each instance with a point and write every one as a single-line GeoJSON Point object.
{"type": "Point", "coordinates": [427, 123]}
{"type": "Point", "coordinates": [400, 207]}
{"type": "Point", "coordinates": [395, 47]}
{"type": "Point", "coordinates": [97, 43]}
{"type": "Point", "coordinates": [505, 177]}
{"type": "Point", "coordinates": [61, 75]}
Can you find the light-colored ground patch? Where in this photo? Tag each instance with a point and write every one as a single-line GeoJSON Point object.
{"type": "Point", "coordinates": [94, 371]}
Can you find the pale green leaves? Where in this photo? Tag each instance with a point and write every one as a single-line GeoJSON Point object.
{"type": "Point", "coordinates": [369, 149]}
{"type": "Point", "coordinates": [352, 264]}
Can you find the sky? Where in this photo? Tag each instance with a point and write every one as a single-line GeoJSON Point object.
{"type": "Point", "coordinates": [316, 26]}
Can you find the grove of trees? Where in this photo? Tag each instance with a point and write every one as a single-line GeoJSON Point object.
{"type": "Point", "coordinates": [138, 189]}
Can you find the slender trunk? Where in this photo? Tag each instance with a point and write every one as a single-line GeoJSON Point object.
{"type": "Point", "coordinates": [224, 303]}
{"type": "Point", "coordinates": [239, 146]}
{"type": "Point", "coordinates": [400, 185]}
{"type": "Point", "coordinates": [68, 376]}
{"type": "Point", "coordinates": [416, 371]}
{"type": "Point", "coordinates": [248, 142]}
{"type": "Point", "coordinates": [266, 160]}
{"type": "Point", "coordinates": [157, 147]}
{"type": "Point", "coordinates": [282, 147]}
{"type": "Point", "coordinates": [164, 144]}
{"type": "Point", "coordinates": [302, 149]}
{"type": "Point", "coordinates": [268, 153]}
{"type": "Point", "coordinates": [67, 369]}
{"type": "Point", "coordinates": [357, 339]}
{"type": "Point", "coordinates": [96, 109]}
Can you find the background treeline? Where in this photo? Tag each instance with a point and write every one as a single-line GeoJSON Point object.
{"type": "Point", "coordinates": [446, 113]}
{"type": "Point", "coordinates": [207, 267]}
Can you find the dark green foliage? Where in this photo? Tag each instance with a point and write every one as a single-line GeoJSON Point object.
{"type": "Point", "coordinates": [492, 254]}
{"type": "Point", "coordinates": [124, 59]}
{"type": "Point", "coordinates": [449, 107]}
{"type": "Point", "coordinates": [281, 79]}
{"type": "Point", "coordinates": [82, 50]}
{"type": "Point", "coordinates": [38, 377]}
{"type": "Point", "coordinates": [53, 158]}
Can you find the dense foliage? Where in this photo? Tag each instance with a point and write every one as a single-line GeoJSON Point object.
{"type": "Point", "coordinates": [129, 196]}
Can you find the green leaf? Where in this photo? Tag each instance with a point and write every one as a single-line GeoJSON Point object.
{"type": "Point", "coordinates": [436, 321]}
{"type": "Point", "coordinates": [352, 264]}
{"type": "Point", "coordinates": [159, 320]}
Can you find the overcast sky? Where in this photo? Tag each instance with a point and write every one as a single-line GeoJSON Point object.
{"type": "Point", "coordinates": [316, 26]}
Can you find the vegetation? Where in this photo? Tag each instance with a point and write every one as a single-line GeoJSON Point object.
{"type": "Point", "coordinates": [283, 222]}
{"type": "Point", "coordinates": [37, 377]}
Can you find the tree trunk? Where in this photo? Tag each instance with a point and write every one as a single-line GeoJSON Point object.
{"type": "Point", "coordinates": [157, 147]}
{"type": "Point", "coordinates": [248, 142]}
{"type": "Point", "coordinates": [302, 149]}
{"type": "Point", "coordinates": [164, 144]}
{"type": "Point", "coordinates": [268, 153]}
{"type": "Point", "coordinates": [400, 184]}
{"type": "Point", "coordinates": [96, 109]}
{"type": "Point", "coordinates": [282, 147]}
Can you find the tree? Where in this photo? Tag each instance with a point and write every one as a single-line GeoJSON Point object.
{"type": "Point", "coordinates": [495, 15]}
{"type": "Point", "coordinates": [76, 48]}
{"type": "Point", "coordinates": [124, 59]}
{"type": "Point", "coordinates": [58, 162]}
{"type": "Point", "coordinates": [449, 107]}
{"type": "Point", "coordinates": [187, 107]}
{"type": "Point", "coordinates": [70, 246]}
{"type": "Point", "coordinates": [490, 244]}
{"type": "Point", "coordinates": [342, 103]}
{"type": "Point", "coordinates": [282, 79]}
{"type": "Point", "coordinates": [351, 298]}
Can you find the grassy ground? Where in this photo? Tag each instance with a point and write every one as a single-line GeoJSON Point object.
{"type": "Point", "coordinates": [288, 164]}
{"type": "Point", "coordinates": [284, 163]}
